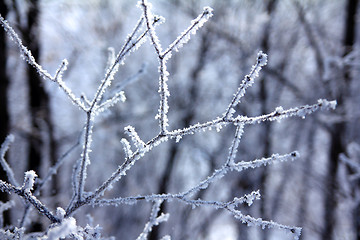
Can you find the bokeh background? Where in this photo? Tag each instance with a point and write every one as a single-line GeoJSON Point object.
{"type": "Point", "coordinates": [313, 52]}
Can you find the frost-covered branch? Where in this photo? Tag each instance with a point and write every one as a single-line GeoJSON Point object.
{"type": "Point", "coordinates": [164, 56]}
{"type": "Point", "coordinates": [28, 197]}
{"type": "Point", "coordinates": [102, 100]}
{"type": "Point", "coordinates": [251, 221]}
{"type": "Point", "coordinates": [4, 148]}
{"type": "Point", "coordinates": [29, 181]}
{"type": "Point", "coordinates": [96, 107]}
{"type": "Point", "coordinates": [27, 55]}
{"type": "Point", "coordinates": [218, 123]}
{"type": "Point", "coordinates": [280, 113]}
{"type": "Point", "coordinates": [217, 174]}
{"type": "Point", "coordinates": [154, 220]}
{"type": "Point", "coordinates": [246, 83]}
{"type": "Point", "coordinates": [184, 37]}
{"type": "Point", "coordinates": [247, 198]}
{"type": "Point", "coordinates": [111, 71]}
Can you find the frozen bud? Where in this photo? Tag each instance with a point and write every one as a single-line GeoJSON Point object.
{"type": "Point", "coordinates": [29, 180]}
{"type": "Point", "coordinates": [208, 11]}
{"type": "Point", "coordinates": [60, 213]}
{"type": "Point", "coordinates": [279, 109]}
{"type": "Point", "coordinates": [159, 19]}
{"type": "Point", "coordinates": [262, 59]}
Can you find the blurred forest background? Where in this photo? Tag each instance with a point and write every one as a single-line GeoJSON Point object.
{"type": "Point", "coordinates": [313, 49]}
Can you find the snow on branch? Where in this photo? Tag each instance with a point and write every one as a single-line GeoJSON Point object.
{"type": "Point", "coordinates": [127, 148]}
{"type": "Point", "coordinates": [229, 206]}
{"type": "Point", "coordinates": [28, 197]}
{"type": "Point", "coordinates": [129, 130]}
{"type": "Point", "coordinates": [217, 124]}
{"type": "Point", "coordinates": [251, 221]}
{"type": "Point", "coordinates": [235, 144]}
{"type": "Point", "coordinates": [247, 82]}
{"type": "Point", "coordinates": [247, 198]}
{"type": "Point", "coordinates": [149, 17]}
{"type": "Point", "coordinates": [280, 113]}
{"type": "Point", "coordinates": [95, 106]}
{"type": "Point", "coordinates": [230, 166]}
{"type": "Point", "coordinates": [114, 63]}
{"type": "Point", "coordinates": [164, 56]}
{"type": "Point", "coordinates": [61, 230]}
{"type": "Point", "coordinates": [29, 181]}
{"type": "Point", "coordinates": [163, 88]}
{"type": "Point", "coordinates": [65, 224]}
{"type": "Point", "coordinates": [4, 148]}
{"type": "Point", "coordinates": [184, 37]}
{"type": "Point", "coordinates": [119, 96]}
{"type": "Point", "coordinates": [154, 220]}
{"type": "Point", "coordinates": [27, 55]}
{"type": "Point", "coordinates": [275, 158]}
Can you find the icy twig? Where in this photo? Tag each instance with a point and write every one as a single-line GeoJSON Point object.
{"type": "Point", "coordinates": [100, 103]}
{"type": "Point", "coordinates": [29, 181]}
{"type": "Point", "coordinates": [119, 96]}
{"type": "Point", "coordinates": [85, 158]}
{"type": "Point", "coordinates": [280, 113]}
{"type": "Point", "coordinates": [110, 73]}
{"type": "Point", "coordinates": [251, 221]}
{"type": "Point", "coordinates": [235, 144]}
{"type": "Point", "coordinates": [164, 56]}
{"type": "Point", "coordinates": [127, 148]}
{"type": "Point", "coordinates": [4, 148]}
{"type": "Point", "coordinates": [154, 220]}
{"type": "Point", "coordinates": [28, 197]}
{"type": "Point", "coordinates": [229, 206]}
{"type": "Point", "coordinates": [247, 198]}
{"type": "Point", "coordinates": [275, 158]}
{"type": "Point", "coordinates": [247, 82]}
{"type": "Point", "coordinates": [184, 37]}
{"type": "Point", "coordinates": [140, 145]}
{"type": "Point", "coordinates": [96, 106]}
{"type": "Point", "coordinates": [27, 55]}
{"type": "Point", "coordinates": [163, 88]}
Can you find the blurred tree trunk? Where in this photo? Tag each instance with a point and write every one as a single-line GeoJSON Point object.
{"type": "Point", "coordinates": [307, 172]}
{"type": "Point", "coordinates": [39, 104]}
{"type": "Point", "coordinates": [4, 113]}
{"type": "Point", "coordinates": [338, 132]}
{"type": "Point", "coordinates": [349, 45]}
{"type": "Point", "coordinates": [265, 134]}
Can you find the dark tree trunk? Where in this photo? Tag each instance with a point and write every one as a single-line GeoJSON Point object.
{"type": "Point", "coordinates": [266, 126]}
{"type": "Point", "coordinates": [349, 43]}
{"type": "Point", "coordinates": [39, 104]}
{"type": "Point", "coordinates": [338, 133]}
{"type": "Point", "coordinates": [4, 113]}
